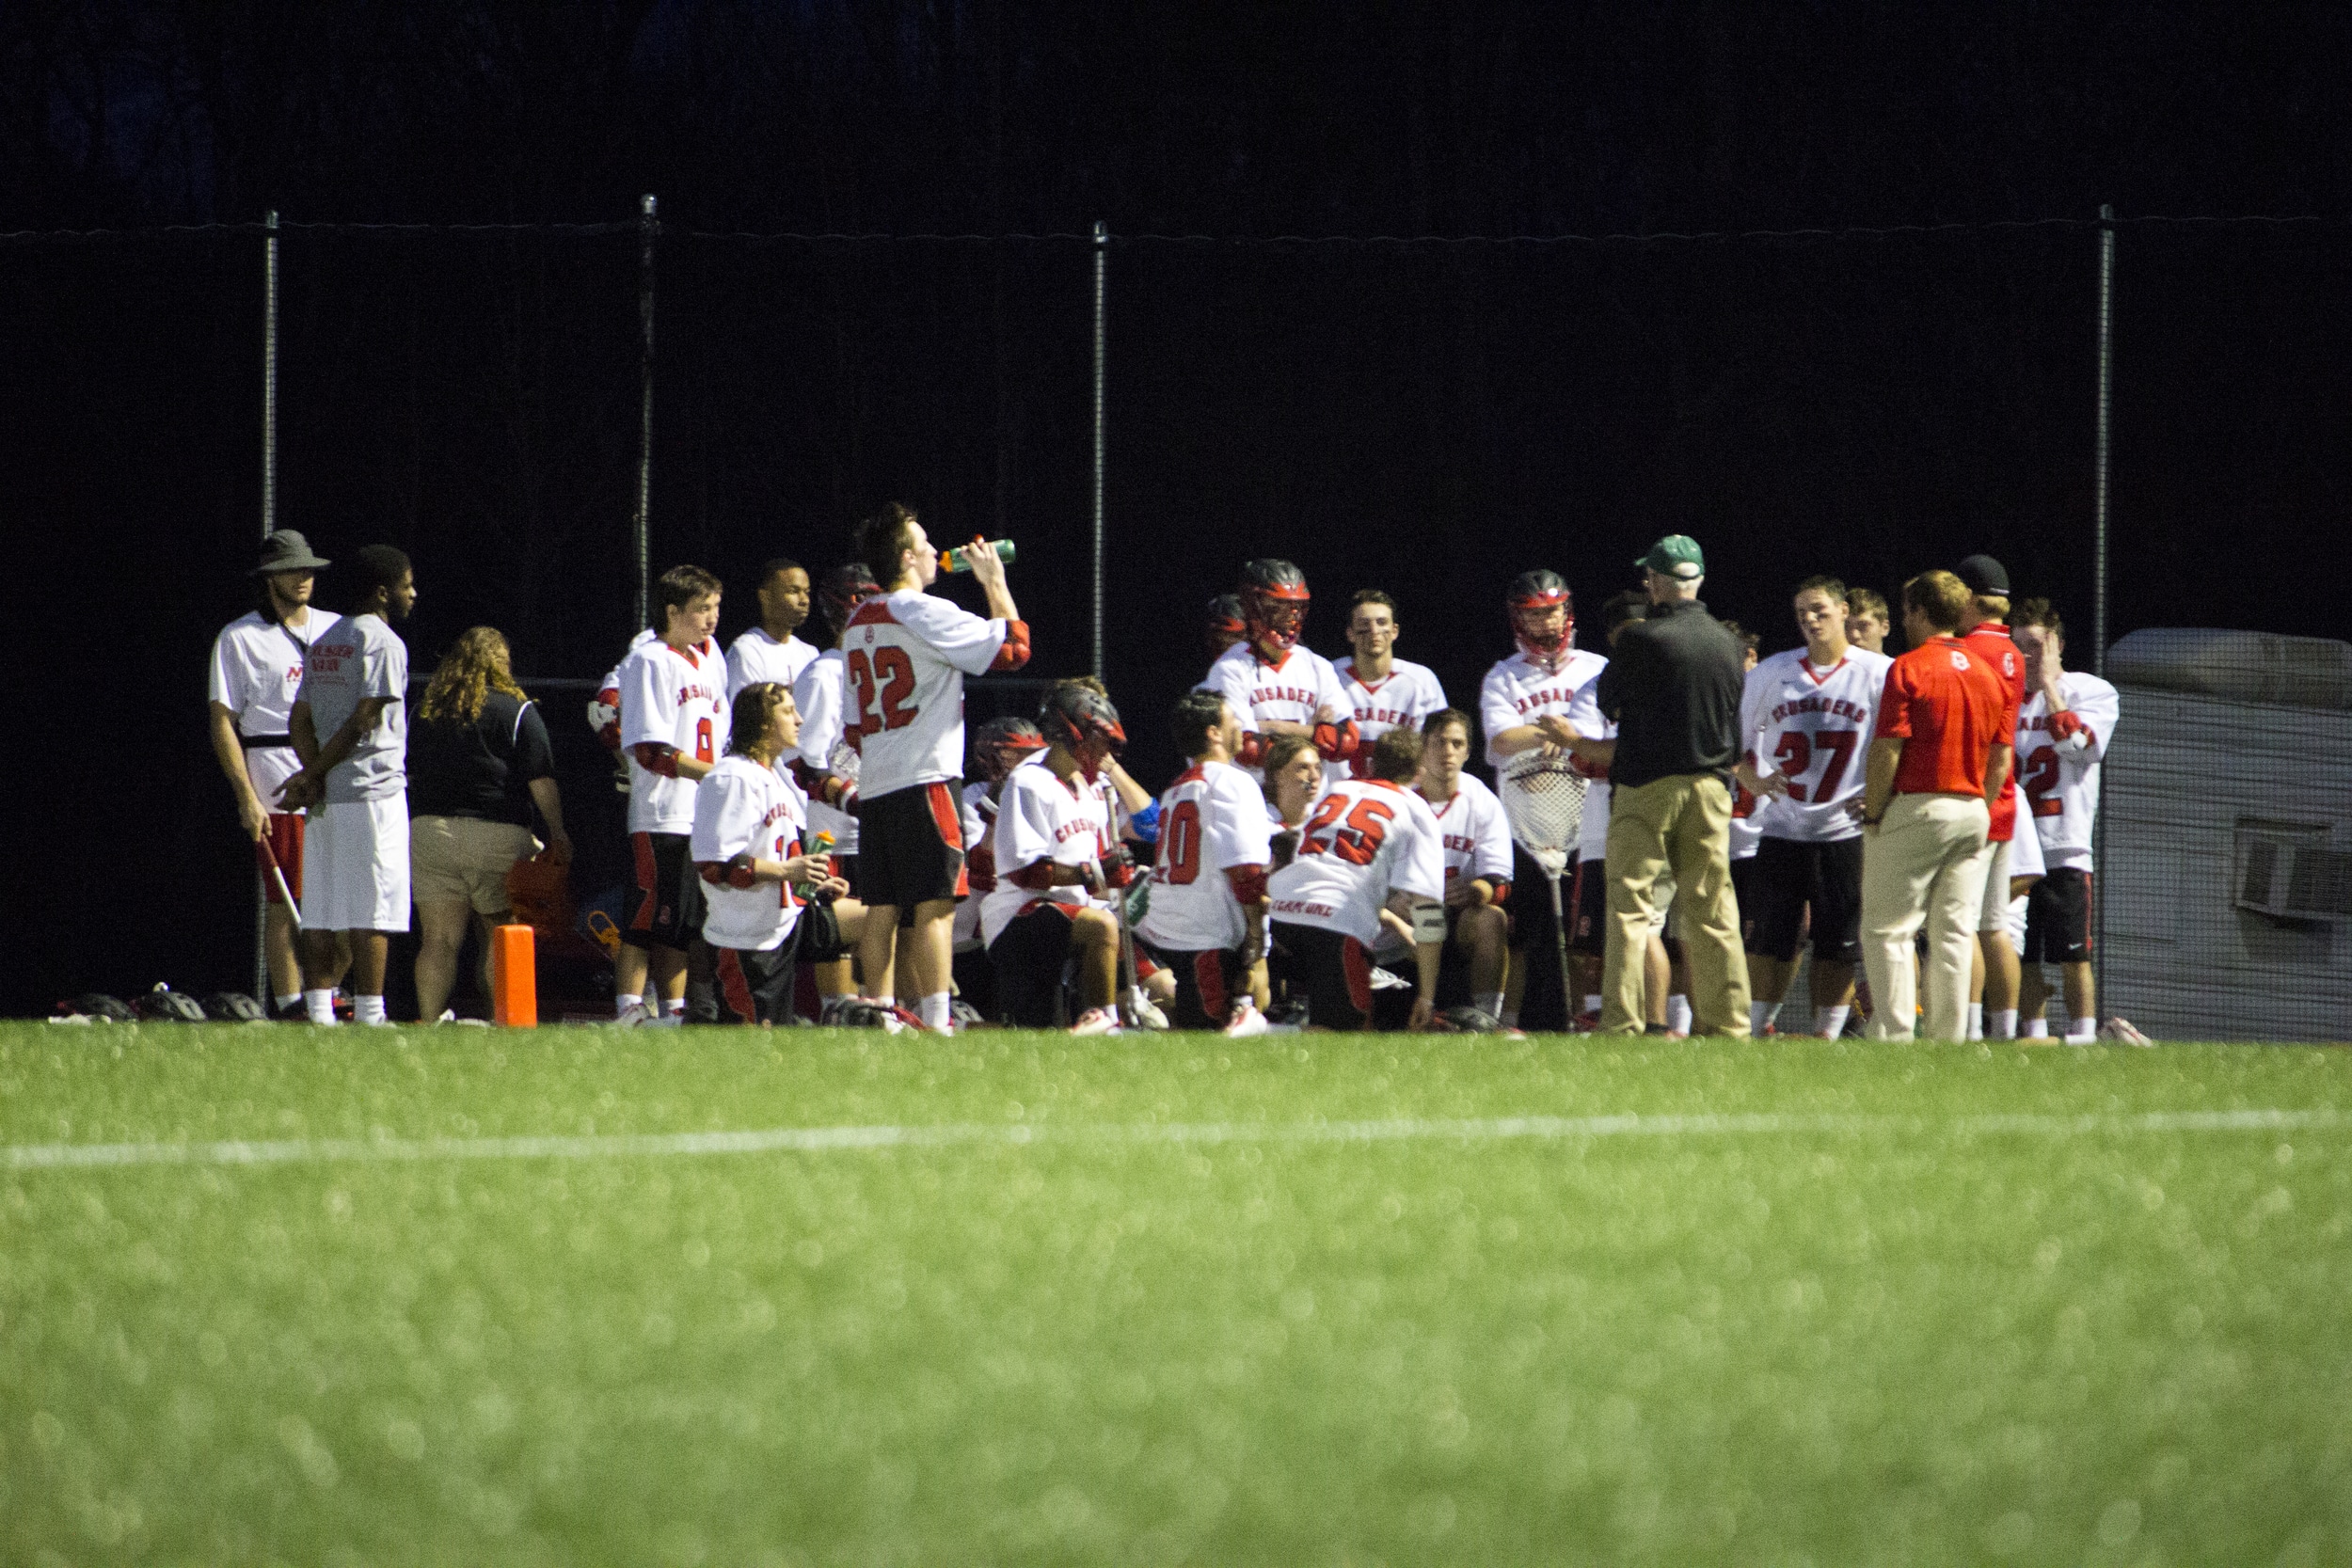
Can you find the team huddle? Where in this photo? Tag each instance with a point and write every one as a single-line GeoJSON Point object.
{"type": "Point", "coordinates": [813, 831]}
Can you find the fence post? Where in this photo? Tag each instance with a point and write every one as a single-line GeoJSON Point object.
{"type": "Point", "coordinates": [2099, 576]}
{"type": "Point", "coordinates": [647, 228]}
{"type": "Point", "coordinates": [261, 986]}
{"type": "Point", "coordinates": [1101, 280]}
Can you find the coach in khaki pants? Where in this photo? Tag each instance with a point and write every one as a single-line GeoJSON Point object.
{"type": "Point", "coordinates": [1935, 759]}
{"type": "Point", "coordinates": [1673, 685]}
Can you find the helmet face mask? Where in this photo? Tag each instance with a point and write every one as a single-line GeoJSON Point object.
{"type": "Point", "coordinates": [1000, 745]}
{"type": "Point", "coordinates": [844, 588]}
{"type": "Point", "coordinates": [1274, 601]}
{"type": "Point", "coordinates": [1083, 722]}
{"type": "Point", "coordinates": [1543, 617]}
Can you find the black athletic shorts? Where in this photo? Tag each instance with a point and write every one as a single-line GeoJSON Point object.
{"type": "Point", "coordinates": [747, 987]}
{"type": "Point", "coordinates": [1744, 893]}
{"type": "Point", "coordinates": [663, 906]}
{"type": "Point", "coordinates": [1336, 972]}
{"type": "Point", "coordinates": [1588, 918]}
{"type": "Point", "coordinates": [1531, 900]}
{"type": "Point", "coordinates": [2058, 918]}
{"type": "Point", "coordinates": [1028, 956]}
{"type": "Point", "coordinates": [910, 846]}
{"type": "Point", "coordinates": [1790, 875]}
{"type": "Point", "coordinates": [1207, 984]}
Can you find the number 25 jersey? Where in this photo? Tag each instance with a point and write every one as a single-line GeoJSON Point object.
{"type": "Point", "coordinates": [1365, 839]}
{"type": "Point", "coordinates": [905, 655]}
{"type": "Point", "coordinates": [1813, 727]}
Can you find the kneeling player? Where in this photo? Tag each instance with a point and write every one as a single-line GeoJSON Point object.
{"type": "Point", "coordinates": [1370, 843]}
{"type": "Point", "coordinates": [746, 845]}
{"type": "Point", "coordinates": [1056, 844]}
{"type": "Point", "coordinates": [1206, 923]}
{"type": "Point", "coordinates": [1477, 845]}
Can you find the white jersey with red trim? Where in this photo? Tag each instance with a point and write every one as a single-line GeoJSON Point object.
{"type": "Point", "coordinates": [1813, 727]}
{"type": "Point", "coordinates": [1213, 819]}
{"type": "Point", "coordinates": [1042, 817]}
{"type": "Point", "coordinates": [1290, 692]}
{"type": "Point", "coordinates": [1747, 820]}
{"type": "Point", "coordinates": [757, 656]}
{"type": "Point", "coordinates": [824, 746]}
{"type": "Point", "coordinates": [2059, 762]}
{"type": "Point", "coordinates": [1585, 718]}
{"type": "Point", "coordinates": [742, 808]}
{"type": "Point", "coordinates": [980, 863]}
{"type": "Point", "coordinates": [604, 708]}
{"type": "Point", "coordinates": [674, 697]}
{"type": "Point", "coordinates": [1409, 695]}
{"type": "Point", "coordinates": [256, 674]}
{"type": "Point", "coordinates": [1476, 836]}
{"type": "Point", "coordinates": [1365, 839]}
{"type": "Point", "coordinates": [1517, 691]}
{"type": "Point", "coordinates": [906, 654]}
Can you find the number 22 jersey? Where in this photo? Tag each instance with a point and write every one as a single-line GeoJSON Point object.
{"type": "Point", "coordinates": [906, 654]}
{"type": "Point", "coordinates": [1813, 727]}
{"type": "Point", "coordinates": [1365, 839]}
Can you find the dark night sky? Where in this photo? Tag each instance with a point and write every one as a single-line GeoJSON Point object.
{"type": "Point", "coordinates": [1432, 417]}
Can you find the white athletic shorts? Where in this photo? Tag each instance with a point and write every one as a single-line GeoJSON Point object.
{"type": "Point", "coordinates": [1993, 915]}
{"type": "Point", "coordinates": [354, 866]}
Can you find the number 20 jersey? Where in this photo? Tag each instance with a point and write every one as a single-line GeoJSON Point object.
{"type": "Point", "coordinates": [1365, 839]}
{"type": "Point", "coordinates": [1813, 727]}
{"type": "Point", "coordinates": [1213, 819]}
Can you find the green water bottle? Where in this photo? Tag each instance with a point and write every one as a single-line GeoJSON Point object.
{"type": "Point", "coordinates": [960, 559]}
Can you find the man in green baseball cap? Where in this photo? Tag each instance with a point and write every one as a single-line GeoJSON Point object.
{"type": "Point", "coordinates": [1677, 556]}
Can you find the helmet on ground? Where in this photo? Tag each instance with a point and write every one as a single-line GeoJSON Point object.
{"type": "Point", "coordinates": [1274, 602]}
{"type": "Point", "coordinates": [998, 746]}
{"type": "Point", "coordinates": [1544, 638]}
{"type": "Point", "coordinates": [845, 588]}
{"type": "Point", "coordinates": [1083, 720]}
{"type": "Point", "coordinates": [1225, 625]}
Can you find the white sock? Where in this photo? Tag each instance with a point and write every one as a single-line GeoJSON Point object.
{"type": "Point", "coordinates": [1489, 1003]}
{"type": "Point", "coordinates": [286, 1004]}
{"type": "Point", "coordinates": [320, 1004]}
{"type": "Point", "coordinates": [1592, 1002]}
{"type": "Point", "coordinates": [1830, 1023]}
{"type": "Point", "coordinates": [1678, 1014]}
{"type": "Point", "coordinates": [1760, 1015]}
{"type": "Point", "coordinates": [674, 1010]}
{"type": "Point", "coordinates": [368, 1009]}
{"type": "Point", "coordinates": [2037, 1028]}
{"type": "Point", "coordinates": [2082, 1029]}
{"type": "Point", "coordinates": [623, 1001]}
{"type": "Point", "coordinates": [1510, 1017]}
{"type": "Point", "coordinates": [2004, 1024]}
{"type": "Point", "coordinates": [1976, 1020]}
{"type": "Point", "coordinates": [933, 1011]}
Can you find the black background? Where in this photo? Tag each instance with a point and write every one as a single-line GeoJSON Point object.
{"type": "Point", "coordinates": [1430, 418]}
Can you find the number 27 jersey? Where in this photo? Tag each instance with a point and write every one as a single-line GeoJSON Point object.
{"type": "Point", "coordinates": [1813, 727]}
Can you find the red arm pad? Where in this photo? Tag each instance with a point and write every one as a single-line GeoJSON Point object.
{"type": "Point", "coordinates": [610, 735]}
{"type": "Point", "coordinates": [1036, 876]}
{"type": "Point", "coordinates": [2066, 726]}
{"type": "Point", "coordinates": [1338, 741]}
{"type": "Point", "coordinates": [654, 758]}
{"type": "Point", "coordinates": [735, 873]}
{"type": "Point", "coordinates": [1016, 651]}
{"type": "Point", "coordinates": [1503, 890]}
{"type": "Point", "coordinates": [1252, 752]}
{"type": "Point", "coordinates": [1249, 883]}
{"type": "Point", "coordinates": [833, 789]}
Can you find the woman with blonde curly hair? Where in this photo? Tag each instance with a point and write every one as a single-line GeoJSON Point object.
{"type": "Point", "coordinates": [477, 761]}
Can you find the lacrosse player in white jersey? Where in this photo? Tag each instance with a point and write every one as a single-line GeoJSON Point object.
{"type": "Point", "coordinates": [1277, 686]}
{"type": "Point", "coordinates": [998, 747]}
{"type": "Point", "coordinates": [350, 727]}
{"type": "Point", "coordinates": [1478, 857]}
{"type": "Point", "coordinates": [749, 818]}
{"type": "Point", "coordinates": [1807, 718]}
{"type": "Point", "coordinates": [1543, 792]}
{"type": "Point", "coordinates": [674, 726]}
{"type": "Point", "coordinates": [825, 764]}
{"type": "Point", "coordinates": [905, 654]}
{"type": "Point", "coordinates": [1382, 691]}
{"type": "Point", "coordinates": [1206, 922]}
{"type": "Point", "coordinates": [2062, 737]}
{"type": "Point", "coordinates": [773, 650]}
{"type": "Point", "coordinates": [1057, 850]}
{"type": "Point", "coordinates": [256, 674]}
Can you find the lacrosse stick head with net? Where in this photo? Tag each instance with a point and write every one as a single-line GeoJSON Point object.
{"type": "Point", "coordinates": [1543, 799]}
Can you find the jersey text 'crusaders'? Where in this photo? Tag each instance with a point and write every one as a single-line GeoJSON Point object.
{"type": "Point", "coordinates": [1042, 820]}
{"type": "Point", "coordinates": [2057, 766]}
{"type": "Point", "coordinates": [1813, 727]}
{"type": "Point", "coordinates": [1213, 820]}
{"type": "Point", "coordinates": [675, 697]}
{"type": "Point", "coordinates": [1517, 691]}
{"type": "Point", "coordinates": [905, 655]}
{"type": "Point", "coordinates": [1365, 839]}
{"type": "Point", "coordinates": [1290, 692]}
{"type": "Point", "coordinates": [1409, 696]}
{"type": "Point", "coordinates": [741, 808]}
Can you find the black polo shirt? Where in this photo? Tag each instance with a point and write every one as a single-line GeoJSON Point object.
{"type": "Point", "coordinates": [480, 770]}
{"type": "Point", "coordinates": [1673, 686]}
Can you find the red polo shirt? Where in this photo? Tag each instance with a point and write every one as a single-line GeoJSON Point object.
{"type": "Point", "coordinates": [1990, 641]}
{"type": "Point", "coordinates": [1946, 706]}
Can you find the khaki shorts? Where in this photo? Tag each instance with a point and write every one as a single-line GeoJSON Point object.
{"type": "Point", "coordinates": [460, 860]}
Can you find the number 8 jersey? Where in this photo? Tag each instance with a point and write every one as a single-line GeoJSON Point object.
{"type": "Point", "coordinates": [1813, 727]}
{"type": "Point", "coordinates": [1365, 839]}
{"type": "Point", "coordinates": [677, 698]}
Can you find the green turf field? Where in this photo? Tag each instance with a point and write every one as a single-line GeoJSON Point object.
{"type": "Point", "coordinates": [276, 1294]}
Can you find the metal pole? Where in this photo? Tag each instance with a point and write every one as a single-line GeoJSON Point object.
{"type": "Point", "coordinates": [647, 228]}
{"type": "Point", "coordinates": [1101, 282]}
{"type": "Point", "coordinates": [2098, 573]}
{"type": "Point", "coordinates": [261, 986]}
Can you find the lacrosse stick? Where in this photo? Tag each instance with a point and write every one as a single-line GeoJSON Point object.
{"type": "Point", "coordinates": [1543, 798]}
{"type": "Point", "coordinates": [293, 907]}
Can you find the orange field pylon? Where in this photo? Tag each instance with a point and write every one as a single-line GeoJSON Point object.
{"type": "Point", "coordinates": [514, 977]}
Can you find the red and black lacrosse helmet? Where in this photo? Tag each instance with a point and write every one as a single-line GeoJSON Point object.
{"type": "Point", "coordinates": [1530, 600]}
{"type": "Point", "coordinates": [1225, 625]}
{"type": "Point", "coordinates": [1274, 602]}
{"type": "Point", "coordinates": [998, 746]}
{"type": "Point", "coordinates": [1083, 720]}
{"type": "Point", "coordinates": [845, 588]}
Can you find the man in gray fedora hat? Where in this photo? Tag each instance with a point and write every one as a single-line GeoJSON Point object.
{"type": "Point", "coordinates": [257, 668]}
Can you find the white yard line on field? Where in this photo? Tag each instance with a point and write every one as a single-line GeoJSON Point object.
{"type": "Point", "coordinates": [819, 1140]}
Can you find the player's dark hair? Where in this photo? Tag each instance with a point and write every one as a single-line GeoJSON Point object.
{"type": "Point", "coordinates": [1283, 750]}
{"type": "Point", "coordinates": [677, 588]}
{"type": "Point", "coordinates": [1631, 605]}
{"type": "Point", "coordinates": [1444, 715]}
{"type": "Point", "coordinates": [1742, 635]}
{"type": "Point", "coordinates": [881, 539]}
{"type": "Point", "coordinates": [1199, 714]}
{"type": "Point", "coordinates": [1941, 597]}
{"type": "Point", "coordinates": [1396, 756]}
{"type": "Point", "coordinates": [1822, 580]}
{"type": "Point", "coordinates": [774, 566]}
{"type": "Point", "coordinates": [1867, 601]}
{"type": "Point", "coordinates": [2038, 613]}
{"type": "Point", "coordinates": [374, 566]}
{"type": "Point", "coordinates": [1370, 596]}
{"type": "Point", "coordinates": [752, 710]}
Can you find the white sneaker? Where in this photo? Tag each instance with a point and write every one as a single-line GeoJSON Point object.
{"type": "Point", "coordinates": [637, 1017]}
{"type": "Point", "coordinates": [1246, 1020]}
{"type": "Point", "coordinates": [1096, 1020]}
{"type": "Point", "coordinates": [2120, 1029]}
{"type": "Point", "coordinates": [1144, 1012]}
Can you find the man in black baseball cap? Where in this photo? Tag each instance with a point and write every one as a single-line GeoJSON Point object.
{"type": "Point", "coordinates": [1985, 577]}
{"type": "Point", "coordinates": [1995, 979]}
